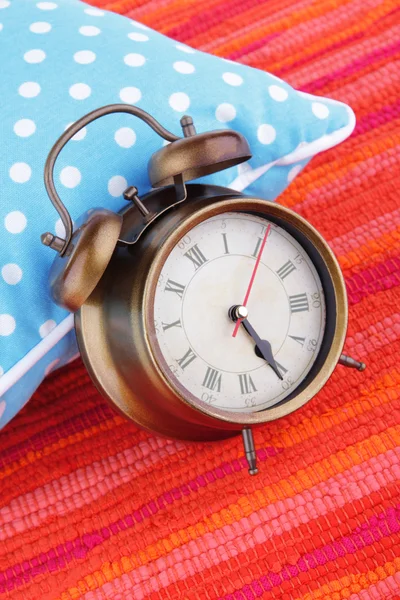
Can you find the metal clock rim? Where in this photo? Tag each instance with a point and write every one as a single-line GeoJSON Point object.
{"type": "Point", "coordinates": [285, 407]}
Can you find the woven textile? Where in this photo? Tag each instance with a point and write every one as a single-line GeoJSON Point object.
{"type": "Point", "coordinates": [94, 508]}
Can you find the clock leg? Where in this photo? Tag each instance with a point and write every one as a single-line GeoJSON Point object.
{"type": "Point", "coordinates": [347, 361]}
{"type": "Point", "coordinates": [250, 450]}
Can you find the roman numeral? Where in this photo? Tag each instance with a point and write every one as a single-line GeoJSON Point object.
{"type": "Point", "coordinates": [187, 358]}
{"type": "Point", "coordinates": [281, 368]}
{"type": "Point", "coordinates": [166, 326]}
{"type": "Point", "coordinates": [225, 243]}
{"type": "Point", "coordinates": [246, 384]}
{"type": "Point", "coordinates": [212, 380]}
{"type": "Point", "coordinates": [299, 340]}
{"type": "Point", "coordinates": [298, 303]}
{"type": "Point", "coordinates": [286, 269]}
{"type": "Point", "coordinates": [196, 256]}
{"type": "Point", "coordinates": [173, 286]}
{"type": "Point", "coordinates": [256, 249]}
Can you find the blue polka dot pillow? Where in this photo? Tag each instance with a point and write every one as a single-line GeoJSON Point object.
{"type": "Point", "coordinates": [62, 59]}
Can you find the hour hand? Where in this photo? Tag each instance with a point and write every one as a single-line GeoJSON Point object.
{"type": "Point", "coordinates": [263, 347]}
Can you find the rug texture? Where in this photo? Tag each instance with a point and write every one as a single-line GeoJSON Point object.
{"type": "Point", "coordinates": [94, 508]}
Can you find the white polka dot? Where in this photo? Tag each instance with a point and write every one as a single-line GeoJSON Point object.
{"type": "Point", "coordinates": [46, 5]}
{"type": "Point", "coordinates": [139, 25]}
{"type": "Point", "coordinates": [232, 79]}
{"type": "Point", "coordinates": [34, 56]}
{"type": "Point", "coordinates": [70, 177]}
{"type": "Point", "coordinates": [117, 185]}
{"type": "Point", "coordinates": [183, 67]}
{"type": "Point", "coordinates": [84, 57]}
{"type": "Point", "coordinates": [130, 95]}
{"type": "Point", "coordinates": [266, 134]}
{"type": "Point", "coordinates": [80, 91]}
{"type": "Point", "coordinates": [78, 136]}
{"type": "Point", "coordinates": [11, 273]}
{"type": "Point", "coordinates": [138, 37]}
{"type": "Point", "coordinates": [225, 112]}
{"type": "Point", "coordinates": [7, 325]}
{"type": "Point", "coordinates": [15, 221]}
{"type": "Point", "coordinates": [321, 111]}
{"type": "Point", "coordinates": [294, 171]}
{"type": "Point", "coordinates": [179, 101]}
{"type": "Point", "coordinates": [277, 93]}
{"type": "Point", "coordinates": [89, 30]}
{"type": "Point", "coordinates": [125, 137]}
{"type": "Point", "coordinates": [29, 89]}
{"type": "Point", "coordinates": [94, 12]}
{"type": "Point", "coordinates": [40, 27]}
{"type": "Point", "coordinates": [20, 172]}
{"type": "Point", "coordinates": [24, 127]}
{"type": "Point", "coordinates": [134, 60]}
{"type": "Point", "coordinates": [46, 328]}
{"type": "Point", "coordinates": [4, 3]}
{"type": "Point", "coordinates": [184, 48]}
{"type": "Point", "coordinates": [51, 366]}
{"type": "Point", "coordinates": [60, 229]}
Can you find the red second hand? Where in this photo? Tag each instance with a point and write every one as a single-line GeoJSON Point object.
{"type": "Point", "coordinates": [253, 276]}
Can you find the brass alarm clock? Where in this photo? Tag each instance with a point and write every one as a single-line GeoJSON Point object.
{"type": "Point", "coordinates": [200, 312]}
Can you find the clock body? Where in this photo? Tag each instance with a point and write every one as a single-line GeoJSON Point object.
{"type": "Point", "coordinates": [158, 336]}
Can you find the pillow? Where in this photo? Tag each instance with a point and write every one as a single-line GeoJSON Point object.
{"type": "Point", "coordinates": [63, 59]}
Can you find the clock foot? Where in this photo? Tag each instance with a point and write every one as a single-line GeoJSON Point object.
{"type": "Point", "coordinates": [347, 361]}
{"type": "Point", "coordinates": [250, 450]}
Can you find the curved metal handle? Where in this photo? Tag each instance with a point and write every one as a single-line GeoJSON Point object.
{"type": "Point", "coordinates": [62, 141]}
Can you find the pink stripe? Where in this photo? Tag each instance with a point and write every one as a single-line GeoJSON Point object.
{"type": "Point", "coordinates": [361, 235]}
{"type": "Point", "coordinates": [376, 336]}
{"type": "Point", "coordinates": [55, 433]}
{"type": "Point", "coordinates": [376, 119]}
{"type": "Point", "coordinates": [308, 31]}
{"type": "Point", "coordinates": [386, 588]}
{"type": "Point", "coordinates": [326, 194]}
{"type": "Point", "coordinates": [314, 59]}
{"type": "Point", "coordinates": [84, 486]}
{"type": "Point", "coordinates": [352, 68]}
{"type": "Point", "coordinates": [79, 547]}
{"type": "Point", "coordinates": [378, 278]}
{"type": "Point", "coordinates": [373, 530]}
{"type": "Point", "coordinates": [271, 521]}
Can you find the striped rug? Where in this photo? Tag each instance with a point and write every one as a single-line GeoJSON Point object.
{"type": "Point", "coordinates": [92, 508]}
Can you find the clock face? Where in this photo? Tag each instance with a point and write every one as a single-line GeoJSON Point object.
{"type": "Point", "coordinates": [206, 274]}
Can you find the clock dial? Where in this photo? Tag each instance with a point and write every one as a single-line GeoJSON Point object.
{"type": "Point", "coordinates": [204, 276]}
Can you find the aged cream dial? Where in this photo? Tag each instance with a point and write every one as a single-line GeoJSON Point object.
{"type": "Point", "coordinates": [204, 276]}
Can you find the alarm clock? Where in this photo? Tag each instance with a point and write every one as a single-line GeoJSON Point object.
{"type": "Point", "coordinates": [200, 312]}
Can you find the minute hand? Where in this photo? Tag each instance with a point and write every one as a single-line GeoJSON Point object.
{"type": "Point", "coordinates": [263, 346]}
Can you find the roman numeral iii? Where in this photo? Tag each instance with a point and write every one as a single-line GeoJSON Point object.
{"type": "Point", "coordinates": [286, 269]}
{"type": "Point", "coordinates": [187, 359]}
{"type": "Point", "coordinates": [196, 256]}
{"type": "Point", "coordinates": [246, 384]}
{"type": "Point", "coordinates": [298, 303]}
{"type": "Point", "coordinates": [212, 380]}
{"type": "Point", "coordinates": [173, 286]}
